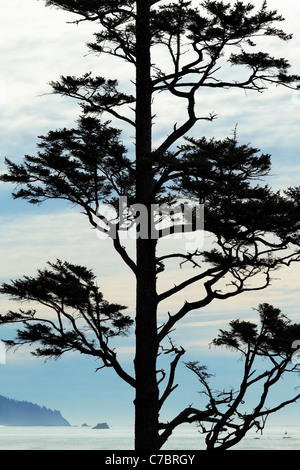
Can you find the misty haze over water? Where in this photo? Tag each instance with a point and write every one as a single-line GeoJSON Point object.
{"type": "Point", "coordinates": [121, 438]}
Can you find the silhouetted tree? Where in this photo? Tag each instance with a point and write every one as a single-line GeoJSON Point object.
{"type": "Point", "coordinates": [85, 322]}
{"type": "Point", "coordinates": [227, 417]}
{"type": "Point", "coordinates": [254, 230]}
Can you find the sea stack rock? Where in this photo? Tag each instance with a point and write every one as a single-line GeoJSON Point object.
{"type": "Point", "coordinates": [101, 426]}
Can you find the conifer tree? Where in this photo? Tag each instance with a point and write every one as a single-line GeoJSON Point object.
{"type": "Point", "coordinates": [255, 230]}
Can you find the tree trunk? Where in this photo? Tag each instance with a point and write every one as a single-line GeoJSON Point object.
{"type": "Point", "coordinates": [147, 397]}
{"type": "Point", "coordinates": [146, 401]}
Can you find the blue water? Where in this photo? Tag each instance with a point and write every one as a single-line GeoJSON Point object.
{"type": "Point", "coordinates": [121, 438]}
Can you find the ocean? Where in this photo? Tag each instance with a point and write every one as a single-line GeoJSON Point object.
{"type": "Point", "coordinates": [121, 438]}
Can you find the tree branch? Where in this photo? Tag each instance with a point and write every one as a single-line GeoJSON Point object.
{"type": "Point", "coordinates": [170, 387]}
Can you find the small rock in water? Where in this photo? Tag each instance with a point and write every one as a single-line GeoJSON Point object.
{"type": "Point", "coordinates": [101, 426]}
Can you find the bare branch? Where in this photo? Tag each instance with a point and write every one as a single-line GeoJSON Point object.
{"type": "Point", "coordinates": [170, 385]}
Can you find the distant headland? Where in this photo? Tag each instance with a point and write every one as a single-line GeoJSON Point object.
{"type": "Point", "coordinates": [24, 413]}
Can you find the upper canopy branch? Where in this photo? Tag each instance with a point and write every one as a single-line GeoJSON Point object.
{"type": "Point", "coordinates": [96, 94]}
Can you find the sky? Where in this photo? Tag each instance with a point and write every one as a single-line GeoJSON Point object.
{"type": "Point", "coordinates": [39, 45]}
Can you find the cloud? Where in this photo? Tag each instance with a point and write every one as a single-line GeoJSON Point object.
{"type": "Point", "coordinates": [40, 45]}
{"type": "Point", "coordinates": [28, 241]}
{"type": "Point", "coordinates": [35, 55]}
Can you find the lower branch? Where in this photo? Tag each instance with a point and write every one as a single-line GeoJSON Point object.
{"type": "Point", "coordinates": [170, 386]}
{"type": "Point", "coordinates": [188, 415]}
